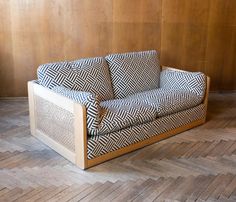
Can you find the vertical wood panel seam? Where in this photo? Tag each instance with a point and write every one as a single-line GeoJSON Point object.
{"type": "Point", "coordinates": [207, 31]}
{"type": "Point", "coordinates": [161, 24]}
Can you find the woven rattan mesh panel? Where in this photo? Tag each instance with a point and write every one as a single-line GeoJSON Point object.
{"type": "Point", "coordinates": [55, 122]}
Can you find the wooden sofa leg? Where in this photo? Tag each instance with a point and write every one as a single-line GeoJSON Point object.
{"type": "Point", "coordinates": [207, 96]}
{"type": "Point", "coordinates": [31, 108]}
{"type": "Point", "coordinates": [80, 131]}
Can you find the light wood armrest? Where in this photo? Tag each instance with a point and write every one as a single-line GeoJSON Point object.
{"type": "Point", "coordinates": [78, 110]}
{"type": "Point", "coordinates": [173, 69]}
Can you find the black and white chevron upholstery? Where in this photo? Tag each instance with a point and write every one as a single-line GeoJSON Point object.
{"type": "Point", "coordinates": [194, 82]}
{"type": "Point", "coordinates": [99, 145]}
{"type": "Point", "coordinates": [90, 75]}
{"type": "Point", "coordinates": [167, 101]}
{"type": "Point", "coordinates": [134, 72]}
{"type": "Point", "coordinates": [89, 100]}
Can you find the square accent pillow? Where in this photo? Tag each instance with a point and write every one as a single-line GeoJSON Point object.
{"type": "Point", "coordinates": [134, 72]}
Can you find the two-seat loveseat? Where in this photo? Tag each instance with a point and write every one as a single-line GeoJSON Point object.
{"type": "Point", "coordinates": [92, 110]}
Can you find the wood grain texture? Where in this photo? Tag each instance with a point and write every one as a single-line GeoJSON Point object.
{"type": "Point", "coordinates": [195, 35]}
{"type": "Point", "coordinates": [197, 165]}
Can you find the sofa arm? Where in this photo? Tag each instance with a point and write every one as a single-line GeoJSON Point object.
{"type": "Point", "coordinates": [89, 100]}
{"type": "Point", "coordinates": [59, 122]}
{"type": "Point", "coordinates": [195, 82]}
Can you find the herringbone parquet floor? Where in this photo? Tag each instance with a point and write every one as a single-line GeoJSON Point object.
{"type": "Point", "coordinates": [197, 165]}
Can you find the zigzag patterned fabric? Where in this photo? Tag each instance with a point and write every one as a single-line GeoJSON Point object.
{"type": "Point", "coordinates": [167, 101]}
{"type": "Point", "coordinates": [194, 82]}
{"type": "Point", "coordinates": [89, 100]}
{"type": "Point", "coordinates": [134, 72]}
{"type": "Point", "coordinates": [90, 75]}
{"type": "Point", "coordinates": [103, 144]}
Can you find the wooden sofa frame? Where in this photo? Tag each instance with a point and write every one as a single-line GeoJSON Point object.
{"type": "Point", "coordinates": [79, 157]}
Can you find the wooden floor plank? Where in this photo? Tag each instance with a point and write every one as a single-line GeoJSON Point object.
{"type": "Point", "coordinates": [229, 189]}
{"type": "Point", "coordinates": [74, 192]}
{"type": "Point", "coordinates": [135, 190]}
{"type": "Point", "coordinates": [225, 180]}
{"type": "Point", "coordinates": [49, 195]}
{"type": "Point", "coordinates": [109, 191]}
{"type": "Point", "coordinates": [150, 190]}
{"type": "Point", "coordinates": [85, 192]}
{"type": "Point", "coordinates": [35, 192]}
{"type": "Point", "coordinates": [92, 195]}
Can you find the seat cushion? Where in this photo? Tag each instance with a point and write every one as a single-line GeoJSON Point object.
{"type": "Point", "coordinates": [103, 144]}
{"type": "Point", "coordinates": [90, 75]}
{"type": "Point", "coordinates": [168, 101]}
{"type": "Point", "coordinates": [143, 107]}
{"type": "Point", "coordinates": [47, 72]}
{"type": "Point", "coordinates": [134, 72]}
{"type": "Point", "coordinates": [121, 113]}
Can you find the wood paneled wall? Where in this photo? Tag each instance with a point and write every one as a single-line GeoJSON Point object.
{"type": "Point", "coordinates": [200, 35]}
{"type": "Point", "coordinates": [197, 35]}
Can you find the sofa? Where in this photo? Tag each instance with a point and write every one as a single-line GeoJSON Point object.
{"type": "Point", "coordinates": [95, 109]}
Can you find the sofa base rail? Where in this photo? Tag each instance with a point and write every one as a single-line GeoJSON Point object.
{"type": "Point", "coordinates": [71, 156]}
{"type": "Point", "coordinates": [141, 144]}
{"type": "Point", "coordinates": [78, 155]}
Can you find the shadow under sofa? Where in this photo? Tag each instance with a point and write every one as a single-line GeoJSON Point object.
{"type": "Point", "coordinates": [61, 119]}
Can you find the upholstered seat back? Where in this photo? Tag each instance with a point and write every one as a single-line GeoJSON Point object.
{"type": "Point", "coordinates": [134, 72]}
{"type": "Point", "coordinates": [89, 75]}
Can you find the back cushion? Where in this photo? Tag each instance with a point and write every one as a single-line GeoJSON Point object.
{"type": "Point", "coordinates": [90, 75]}
{"type": "Point", "coordinates": [47, 72]}
{"type": "Point", "coordinates": [134, 72]}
